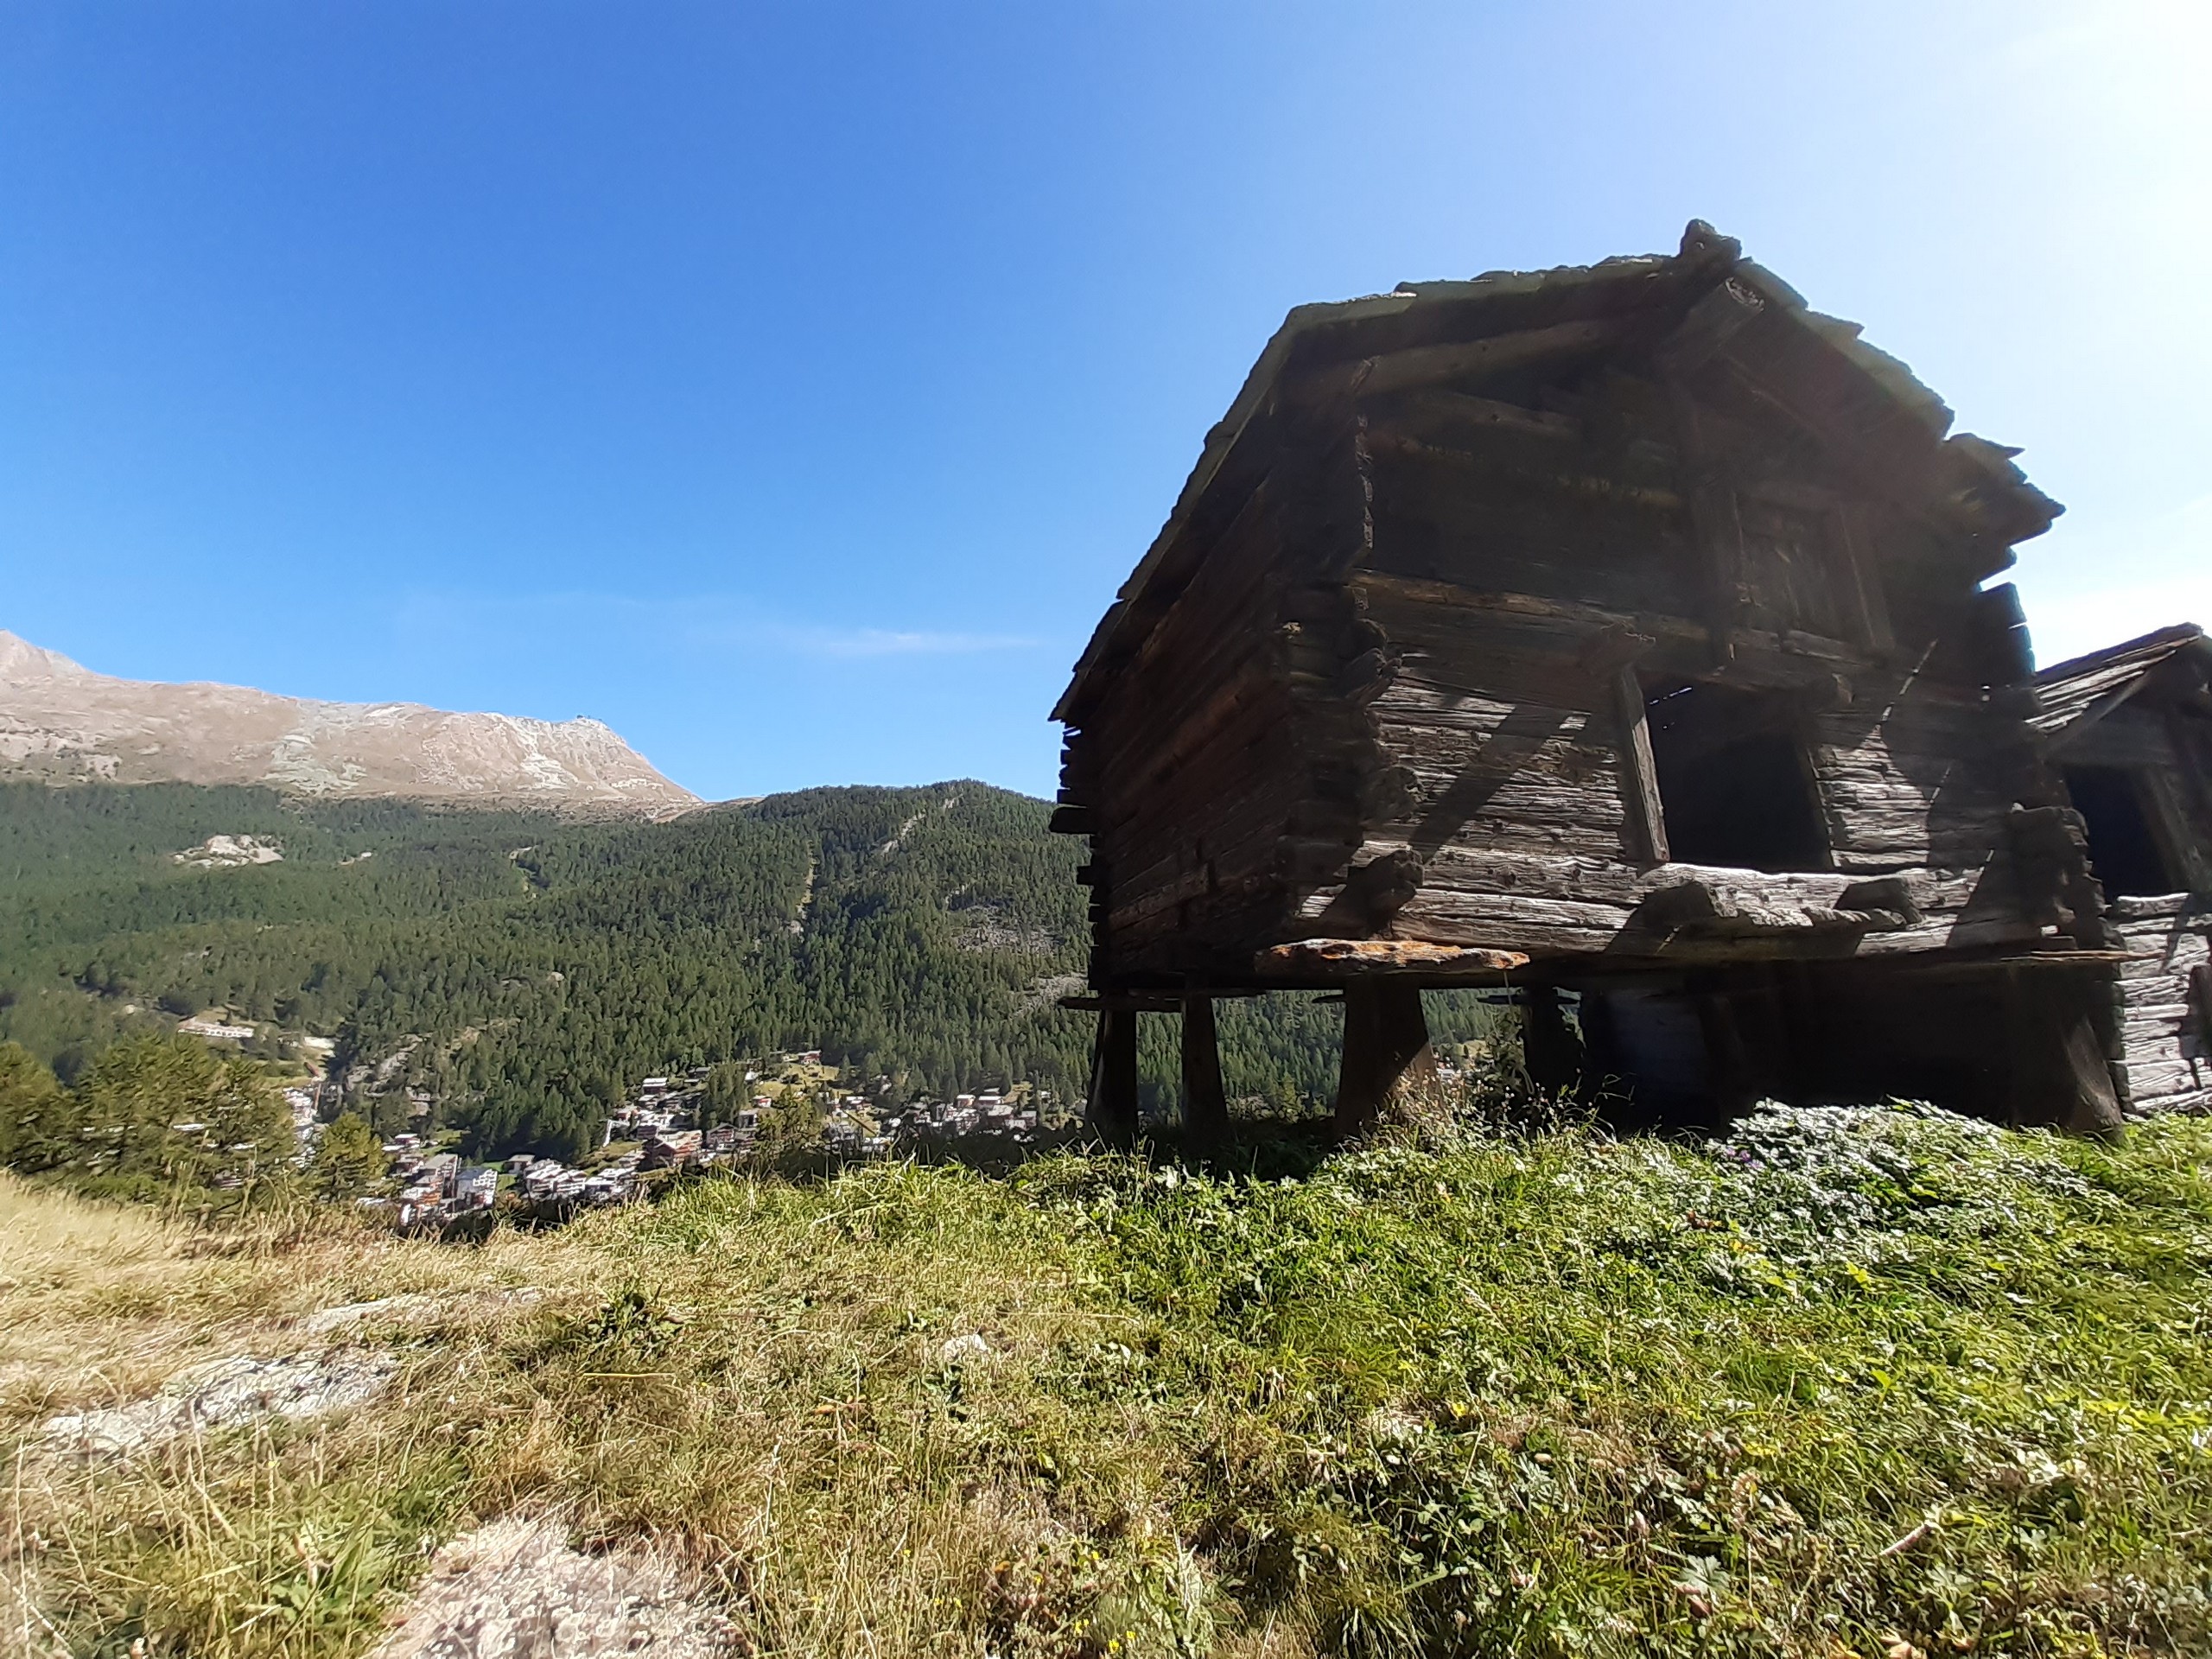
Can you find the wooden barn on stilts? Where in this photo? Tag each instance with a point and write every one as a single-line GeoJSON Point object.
{"type": "Point", "coordinates": [1619, 635]}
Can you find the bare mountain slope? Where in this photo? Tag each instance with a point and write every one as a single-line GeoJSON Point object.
{"type": "Point", "coordinates": [62, 722]}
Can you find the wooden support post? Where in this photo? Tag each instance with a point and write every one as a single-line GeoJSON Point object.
{"type": "Point", "coordinates": [1387, 1058]}
{"type": "Point", "coordinates": [1548, 1047]}
{"type": "Point", "coordinates": [2019, 1049]}
{"type": "Point", "coordinates": [1639, 771]}
{"type": "Point", "coordinates": [1113, 1111]}
{"type": "Point", "coordinates": [1730, 1078]}
{"type": "Point", "coordinates": [1205, 1106]}
{"type": "Point", "coordinates": [2093, 1105]}
{"type": "Point", "coordinates": [2060, 1075]}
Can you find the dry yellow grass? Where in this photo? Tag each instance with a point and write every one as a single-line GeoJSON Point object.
{"type": "Point", "coordinates": [99, 1302]}
{"type": "Point", "coordinates": [721, 1385]}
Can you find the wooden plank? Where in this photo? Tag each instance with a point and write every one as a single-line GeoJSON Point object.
{"type": "Point", "coordinates": [2138, 970]}
{"type": "Point", "coordinates": [2148, 1078]}
{"type": "Point", "coordinates": [1481, 800]}
{"type": "Point", "coordinates": [1544, 927]}
{"type": "Point", "coordinates": [2173, 1012]}
{"type": "Point", "coordinates": [1707, 325]}
{"type": "Point", "coordinates": [1419, 596]}
{"type": "Point", "coordinates": [1351, 958]}
{"type": "Point", "coordinates": [1503, 468]}
{"type": "Point", "coordinates": [1422, 412]}
{"type": "Point", "coordinates": [1512, 922]}
{"type": "Point", "coordinates": [2197, 1100]}
{"type": "Point", "coordinates": [1494, 868]}
{"type": "Point", "coordinates": [1639, 771]}
{"type": "Point", "coordinates": [2151, 1040]}
{"type": "Point", "coordinates": [1426, 366]}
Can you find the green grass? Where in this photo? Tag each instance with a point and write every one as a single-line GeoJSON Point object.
{"type": "Point", "coordinates": [1854, 1384]}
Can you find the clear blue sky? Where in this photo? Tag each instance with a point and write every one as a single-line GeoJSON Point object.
{"type": "Point", "coordinates": [791, 386]}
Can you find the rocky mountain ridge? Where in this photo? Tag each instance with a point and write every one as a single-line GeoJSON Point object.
{"type": "Point", "coordinates": [61, 722]}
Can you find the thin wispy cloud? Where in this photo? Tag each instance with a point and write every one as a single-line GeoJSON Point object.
{"type": "Point", "coordinates": [893, 642]}
{"type": "Point", "coordinates": [699, 622]}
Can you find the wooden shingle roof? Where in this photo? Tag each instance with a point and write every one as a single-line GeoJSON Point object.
{"type": "Point", "coordinates": [2086, 689]}
{"type": "Point", "coordinates": [1620, 304]}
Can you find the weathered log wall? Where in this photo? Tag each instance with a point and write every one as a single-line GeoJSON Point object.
{"type": "Point", "coordinates": [1202, 774]}
{"type": "Point", "coordinates": [2165, 989]}
{"type": "Point", "coordinates": [2140, 714]}
{"type": "Point", "coordinates": [1520, 555]}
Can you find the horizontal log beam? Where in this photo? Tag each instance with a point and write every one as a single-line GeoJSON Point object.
{"type": "Point", "coordinates": [1351, 958]}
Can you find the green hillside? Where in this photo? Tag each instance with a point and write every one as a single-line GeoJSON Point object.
{"type": "Point", "coordinates": [519, 969]}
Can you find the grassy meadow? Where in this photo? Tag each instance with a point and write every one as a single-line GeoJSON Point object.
{"type": "Point", "coordinates": [1850, 1383]}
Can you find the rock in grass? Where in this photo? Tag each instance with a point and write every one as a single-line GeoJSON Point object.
{"type": "Point", "coordinates": [226, 1392]}
{"type": "Point", "coordinates": [514, 1588]}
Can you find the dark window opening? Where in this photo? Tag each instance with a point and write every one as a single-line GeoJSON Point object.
{"type": "Point", "coordinates": [2124, 851]}
{"type": "Point", "coordinates": [1735, 786]}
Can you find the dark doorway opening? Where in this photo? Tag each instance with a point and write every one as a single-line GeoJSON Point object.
{"type": "Point", "coordinates": [2124, 851]}
{"type": "Point", "coordinates": [1734, 782]}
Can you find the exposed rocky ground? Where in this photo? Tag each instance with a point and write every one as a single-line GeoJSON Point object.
{"type": "Point", "coordinates": [230, 852]}
{"type": "Point", "coordinates": [62, 722]}
{"type": "Point", "coordinates": [225, 1392]}
{"type": "Point", "coordinates": [513, 1589]}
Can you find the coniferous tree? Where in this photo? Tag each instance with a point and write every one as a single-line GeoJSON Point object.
{"type": "Point", "coordinates": [349, 1161]}
{"type": "Point", "coordinates": [170, 1112]}
{"type": "Point", "coordinates": [35, 1119]}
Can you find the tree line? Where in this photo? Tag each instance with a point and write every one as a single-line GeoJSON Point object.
{"type": "Point", "coordinates": [509, 975]}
